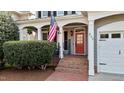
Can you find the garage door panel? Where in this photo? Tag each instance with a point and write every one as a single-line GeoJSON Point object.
{"type": "Point", "coordinates": [108, 53]}
{"type": "Point", "coordinates": [110, 65]}
{"type": "Point", "coordinates": [111, 56]}
{"type": "Point", "coordinates": [111, 69]}
{"type": "Point", "coordinates": [112, 60]}
{"type": "Point", "coordinates": [115, 65]}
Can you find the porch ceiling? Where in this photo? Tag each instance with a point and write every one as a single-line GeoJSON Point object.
{"type": "Point", "coordinates": [74, 25]}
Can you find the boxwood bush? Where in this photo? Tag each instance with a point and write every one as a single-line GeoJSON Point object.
{"type": "Point", "coordinates": [8, 31]}
{"type": "Point", "coordinates": [28, 53]}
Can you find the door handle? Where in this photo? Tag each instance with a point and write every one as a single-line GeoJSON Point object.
{"type": "Point", "coordinates": [102, 64]}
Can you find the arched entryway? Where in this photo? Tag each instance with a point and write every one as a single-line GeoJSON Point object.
{"type": "Point", "coordinates": [75, 38]}
{"type": "Point", "coordinates": [30, 33]}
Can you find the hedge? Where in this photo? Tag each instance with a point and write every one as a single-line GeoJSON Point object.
{"type": "Point", "coordinates": [8, 31]}
{"type": "Point", "coordinates": [28, 53]}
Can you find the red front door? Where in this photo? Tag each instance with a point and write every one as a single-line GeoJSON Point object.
{"type": "Point", "coordinates": [79, 43]}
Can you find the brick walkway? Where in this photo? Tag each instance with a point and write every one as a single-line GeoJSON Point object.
{"type": "Point", "coordinates": [71, 68]}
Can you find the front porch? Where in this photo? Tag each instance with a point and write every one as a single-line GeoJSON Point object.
{"type": "Point", "coordinates": [71, 38]}
{"type": "Point", "coordinates": [75, 39]}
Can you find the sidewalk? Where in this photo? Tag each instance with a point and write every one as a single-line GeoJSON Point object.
{"type": "Point", "coordinates": [70, 68]}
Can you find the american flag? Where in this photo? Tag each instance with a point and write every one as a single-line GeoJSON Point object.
{"type": "Point", "coordinates": [53, 29]}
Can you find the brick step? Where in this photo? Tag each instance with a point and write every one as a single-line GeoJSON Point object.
{"type": "Point", "coordinates": [72, 61]}
{"type": "Point", "coordinates": [75, 65]}
{"type": "Point", "coordinates": [70, 70]}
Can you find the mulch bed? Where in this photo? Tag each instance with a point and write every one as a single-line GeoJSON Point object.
{"type": "Point", "coordinates": [13, 74]}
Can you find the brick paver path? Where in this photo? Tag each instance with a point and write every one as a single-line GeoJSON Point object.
{"type": "Point", "coordinates": [71, 68]}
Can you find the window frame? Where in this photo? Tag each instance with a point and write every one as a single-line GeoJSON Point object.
{"type": "Point", "coordinates": [62, 14]}
{"type": "Point", "coordinates": [45, 32]}
{"type": "Point", "coordinates": [43, 14]}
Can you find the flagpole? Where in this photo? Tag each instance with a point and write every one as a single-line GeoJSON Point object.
{"type": "Point", "coordinates": [58, 32]}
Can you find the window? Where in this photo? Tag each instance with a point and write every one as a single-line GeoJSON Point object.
{"type": "Point", "coordinates": [73, 12]}
{"type": "Point", "coordinates": [45, 13]}
{"type": "Point", "coordinates": [69, 12]}
{"type": "Point", "coordinates": [54, 13]}
{"type": "Point", "coordinates": [44, 36]}
{"type": "Point", "coordinates": [49, 13]}
{"type": "Point", "coordinates": [104, 35]}
{"type": "Point", "coordinates": [78, 12]}
{"type": "Point", "coordinates": [65, 40]}
{"type": "Point", "coordinates": [39, 14]}
{"type": "Point", "coordinates": [65, 12]}
{"type": "Point", "coordinates": [60, 13]}
{"type": "Point", "coordinates": [117, 35]}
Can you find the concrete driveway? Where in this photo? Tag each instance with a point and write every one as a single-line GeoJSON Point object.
{"type": "Point", "coordinates": [106, 77]}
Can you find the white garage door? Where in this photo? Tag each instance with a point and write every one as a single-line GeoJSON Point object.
{"type": "Point", "coordinates": [111, 52]}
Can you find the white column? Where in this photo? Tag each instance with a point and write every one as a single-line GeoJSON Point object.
{"type": "Point", "coordinates": [39, 34]}
{"type": "Point", "coordinates": [57, 41]}
{"type": "Point", "coordinates": [61, 42]}
{"type": "Point", "coordinates": [36, 14]}
{"type": "Point", "coordinates": [21, 34]}
{"type": "Point", "coordinates": [91, 46]}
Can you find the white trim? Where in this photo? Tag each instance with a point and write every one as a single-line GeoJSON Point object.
{"type": "Point", "coordinates": [61, 55]}
{"type": "Point", "coordinates": [91, 47]}
{"type": "Point", "coordinates": [39, 34]}
{"type": "Point", "coordinates": [46, 20]}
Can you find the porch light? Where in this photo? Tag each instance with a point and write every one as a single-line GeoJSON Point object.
{"type": "Point", "coordinates": [58, 30]}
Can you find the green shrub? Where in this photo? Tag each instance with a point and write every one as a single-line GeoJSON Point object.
{"type": "Point", "coordinates": [28, 53]}
{"type": "Point", "coordinates": [8, 31]}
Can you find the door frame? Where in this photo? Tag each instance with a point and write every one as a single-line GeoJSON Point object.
{"type": "Point", "coordinates": [74, 42]}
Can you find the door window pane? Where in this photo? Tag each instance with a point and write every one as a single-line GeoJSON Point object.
{"type": "Point", "coordinates": [79, 38]}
